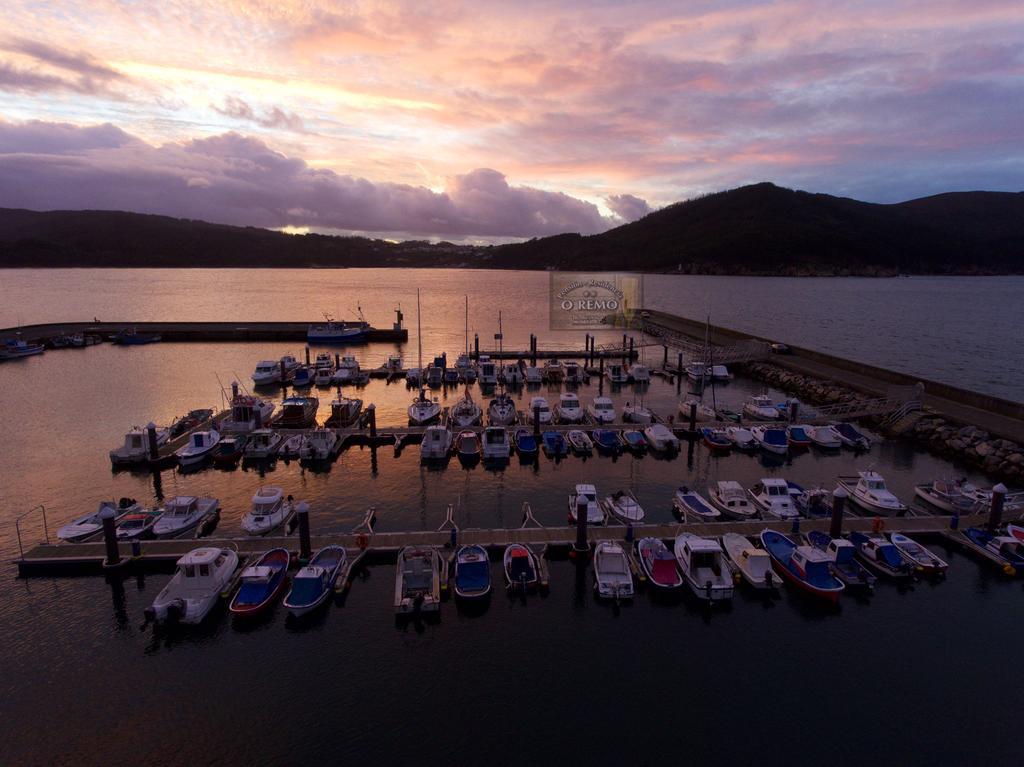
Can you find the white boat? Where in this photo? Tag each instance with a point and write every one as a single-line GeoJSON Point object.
{"type": "Point", "coordinates": [422, 410]}
{"type": "Point", "coordinates": [263, 443]}
{"type": "Point", "coordinates": [587, 494]}
{"type": "Point", "coordinates": [521, 567]}
{"type": "Point", "coordinates": [512, 374]}
{"type": "Point", "coordinates": [624, 505]}
{"type": "Point", "coordinates": [753, 564]}
{"type": "Point", "coordinates": [658, 563]}
{"type": "Point", "coordinates": [639, 373]}
{"type": "Point", "coordinates": [741, 438]}
{"type": "Point", "coordinates": [267, 372]}
{"type": "Point", "coordinates": [533, 375]}
{"type": "Point", "coordinates": [580, 441]}
{"type": "Point", "coordinates": [704, 412]}
{"type": "Point", "coordinates": [918, 555]}
{"type": "Point", "coordinates": [436, 444]}
{"type": "Point", "coordinates": [825, 437]}
{"type": "Point", "coordinates": [348, 370]}
{"type": "Point", "coordinates": [418, 580]}
{"type": "Point", "coordinates": [323, 376]}
{"type": "Point", "coordinates": [289, 362]}
{"type": "Point", "coordinates": [338, 332]}
{"type": "Point", "coordinates": [636, 414]}
{"type": "Point", "coordinates": [501, 411]}
{"type": "Point", "coordinates": [540, 407]}
{"type": "Point", "coordinates": [574, 373]}
{"type": "Point", "coordinates": [770, 438]}
{"type": "Point", "coordinates": [661, 438]}
{"type": "Point", "coordinates": [689, 505]}
{"type": "Point", "coordinates": [466, 412]}
{"type": "Point", "coordinates": [488, 371]}
{"type": "Point", "coordinates": [553, 371]}
{"type": "Point", "coordinates": [247, 413]}
{"type": "Point", "coordinates": [952, 495]}
{"type": "Point", "coordinates": [612, 577]}
{"type": "Point", "coordinates": [414, 377]}
{"type": "Point", "coordinates": [292, 445]}
{"type": "Point", "coordinates": [602, 410]}
{"type": "Point", "coordinates": [91, 524]}
{"type": "Point", "coordinates": [698, 371]}
{"type": "Point", "coordinates": [720, 373]}
{"type": "Point", "coordinates": [760, 408]}
{"type": "Point", "coordinates": [344, 411]}
{"type": "Point", "coordinates": [495, 444]}
{"type": "Point", "coordinates": [319, 445]}
{"type": "Point", "coordinates": [729, 497]}
{"type": "Point", "coordinates": [568, 409]}
{"type": "Point", "coordinates": [136, 445]}
{"type": "Point", "coordinates": [270, 509]}
{"type": "Point", "coordinates": [184, 515]}
{"type": "Point", "coordinates": [616, 374]}
{"type": "Point", "coordinates": [868, 491]}
{"type": "Point", "coordinates": [704, 567]}
{"type": "Point", "coordinates": [198, 448]}
{"type": "Point", "coordinates": [772, 498]}
{"type": "Point", "coordinates": [195, 587]}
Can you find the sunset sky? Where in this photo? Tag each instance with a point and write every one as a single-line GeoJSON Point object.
{"type": "Point", "coordinates": [484, 120]}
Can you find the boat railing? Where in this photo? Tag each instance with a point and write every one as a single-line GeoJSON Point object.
{"type": "Point", "coordinates": [17, 527]}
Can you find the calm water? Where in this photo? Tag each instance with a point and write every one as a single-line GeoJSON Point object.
{"type": "Point", "coordinates": [907, 675]}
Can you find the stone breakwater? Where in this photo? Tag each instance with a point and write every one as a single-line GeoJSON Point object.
{"type": "Point", "coordinates": [1001, 459]}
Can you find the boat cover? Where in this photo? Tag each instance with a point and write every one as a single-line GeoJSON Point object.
{"type": "Point", "coordinates": [520, 566]}
{"type": "Point", "coordinates": [775, 437]}
{"type": "Point", "coordinates": [664, 570]}
{"type": "Point", "coordinates": [306, 590]}
{"type": "Point", "coordinates": [473, 576]}
{"type": "Point", "coordinates": [696, 504]}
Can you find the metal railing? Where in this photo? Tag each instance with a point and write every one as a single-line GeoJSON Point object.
{"type": "Point", "coordinates": [17, 527]}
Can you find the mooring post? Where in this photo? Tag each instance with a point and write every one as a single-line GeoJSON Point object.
{"type": "Point", "coordinates": [693, 418]}
{"type": "Point", "coordinates": [581, 546]}
{"type": "Point", "coordinates": [234, 389]}
{"type": "Point", "coordinates": [664, 362]}
{"type": "Point", "coordinates": [536, 423]}
{"type": "Point", "coordinates": [794, 408]}
{"type": "Point", "coordinates": [623, 348]}
{"type": "Point", "coordinates": [110, 538]}
{"type": "Point", "coordinates": [476, 346]}
{"type": "Point", "coordinates": [154, 449]}
{"type": "Point", "coordinates": [257, 418]}
{"type": "Point", "coordinates": [284, 373]}
{"type": "Point", "coordinates": [307, 355]}
{"type": "Point", "coordinates": [995, 514]}
{"type": "Point", "coordinates": [631, 339]}
{"type": "Point", "coordinates": [600, 376]}
{"type": "Point", "coordinates": [371, 411]}
{"type": "Point", "coordinates": [302, 512]}
{"type": "Point", "coordinates": [337, 360]}
{"type": "Point", "coordinates": [839, 497]}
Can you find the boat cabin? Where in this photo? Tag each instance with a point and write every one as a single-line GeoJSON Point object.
{"type": "Point", "coordinates": [813, 565]}
{"type": "Point", "coordinates": [198, 567]}
{"type": "Point", "coordinates": [841, 551]}
{"type": "Point", "coordinates": [267, 501]}
{"type": "Point", "coordinates": [180, 506]}
{"type": "Point", "coordinates": [495, 436]}
{"type": "Point", "coordinates": [730, 493]}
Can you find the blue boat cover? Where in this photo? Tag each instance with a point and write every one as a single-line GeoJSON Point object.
{"type": "Point", "coordinates": [775, 436]}
{"type": "Point", "coordinates": [473, 576]}
{"type": "Point", "coordinates": [305, 591]}
{"type": "Point", "coordinates": [526, 443]}
{"type": "Point", "coordinates": [891, 556]}
{"type": "Point", "coordinates": [606, 438]}
{"type": "Point", "coordinates": [848, 431]}
{"type": "Point", "coordinates": [695, 503]}
{"type": "Point", "coordinates": [253, 593]}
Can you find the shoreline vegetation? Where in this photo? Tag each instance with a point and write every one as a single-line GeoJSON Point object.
{"type": "Point", "coordinates": [758, 230]}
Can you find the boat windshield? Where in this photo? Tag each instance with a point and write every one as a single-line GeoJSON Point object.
{"type": "Point", "coordinates": [776, 490]}
{"type": "Point", "coordinates": [874, 484]}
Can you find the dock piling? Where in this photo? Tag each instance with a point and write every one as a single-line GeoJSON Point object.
{"type": "Point", "coordinates": [337, 360]}
{"type": "Point", "coordinates": [234, 389]}
{"type": "Point", "coordinates": [664, 362]}
{"type": "Point", "coordinates": [536, 422]}
{"type": "Point", "coordinates": [307, 356]}
{"type": "Point", "coordinates": [794, 409]}
{"type": "Point", "coordinates": [284, 374]}
{"type": "Point", "coordinates": [154, 448]}
{"type": "Point", "coordinates": [257, 418]}
{"type": "Point", "coordinates": [581, 547]}
{"type": "Point", "coordinates": [679, 373]}
{"type": "Point", "coordinates": [113, 558]}
{"type": "Point", "coordinates": [476, 346]}
{"type": "Point", "coordinates": [371, 412]}
{"type": "Point", "coordinates": [995, 514]}
{"type": "Point", "coordinates": [302, 511]}
{"type": "Point", "coordinates": [693, 418]}
{"type": "Point", "coordinates": [839, 497]}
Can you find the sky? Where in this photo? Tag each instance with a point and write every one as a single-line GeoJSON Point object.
{"type": "Point", "coordinates": [484, 121]}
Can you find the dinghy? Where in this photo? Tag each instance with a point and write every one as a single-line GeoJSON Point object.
{"type": "Point", "coordinates": [313, 584]}
{"type": "Point", "coordinates": [824, 437]}
{"type": "Point", "coordinates": [612, 578]}
{"type": "Point", "coordinates": [138, 525]}
{"type": "Point", "coordinates": [196, 586]}
{"type": "Point", "coordinates": [703, 567]}
{"type": "Point", "coordinates": [586, 494]}
{"type": "Point", "coordinates": [185, 514]}
{"type": "Point", "coordinates": [658, 563]}
{"type": "Point", "coordinates": [716, 439]}
{"type": "Point", "coordinates": [418, 580]}
{"type": "Point", "coordinates": [881, 556]}
{"type": "Point", "coordinates": [689, 503]}
{"type": "Point", "coordinates": [580, 442]}
{"type": "Point", "coordinates": [798, 436]}
{"type": "Point", "coordinates": [729, 497]}
{"type": "Point", "coordinates": [554, 443]}
{"type": "Point", "coordinates": [842, 557]}
{"type": "Point", "coordinates": [753, 564]}
{"type": "Point", "coordinates": [89, 525]}
{"type": "Point", "coordinates": [661, 439]}
{"type": "Point", "coordinates": [634, 440]}
{"type": "Point", "coordinates": [261, 583]}
{"type": "Point", "coordinates": [624, 505]}
{"type": "Point", "coordinates": [850, 436]}
{"type": "Point", "coordinates": [607, 440]}
{"type": "Point", "coordinates": [526, 443]}
{"type": "Point", "coordinates": [741, 438]}
{"type": "Point", "coordinates": [472, 572]}
{"type": "Point", "coordinates": [521, 567]}
{"type": "Point", "coordinates": [805, 567]}
{"type": "Point", "coordinates": [918, 555]}
{"type": "Point", "coordinates": [773, 440]}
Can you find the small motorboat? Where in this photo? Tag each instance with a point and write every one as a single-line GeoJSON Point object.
{"type": "Point", "coordinates": [132, 337]}
{"type": "Point", "coordinates": [772, 498]}
{"type": "Point", "coordinates": [607, 440]}
{"type": "Point", "coordinates": [741, 438]}
{"type": "Point", "coordinates": [136, 445]}
{"type": "Point", "coordinates": [488, 371]}
{"type": "Point", "coordinates": [869, 492]}
{"type": "Point", "coordinates": [658, 563]}
{"type": "Point", "coordinates": [267, 373]}
{"type": "Point", "coordinates": [580, 442]}
{"type": "Point", "coordinates": [920, 557]}
{"type": "Point", "coordinates": [949, 495]}
{"type": "Point", "coordinates": [689, 503]}
{"type": "Point", "coordinates": [534, 376]}
{"type": "Point", "coordinates": [850, 436]}
{"type": "Point", "coordinates": [704, 568]}
{"type": "Point", "coordinates": [501, 411]}
{"type": "Point", "coordinates": [467, 445]}
{"type": "Point", "coordinates": [568, 409]}
{"type": "Point", "coordinates": [698, 371]}
{"type": "Point", "coordinates": [314, 583]}
{"type": "Point", "coordinates": [554, 444]}
{"type": "Point", "coordinates": [701, 411]}
{"type": "Point", "coordinates": [720, 373]}
{"type": "Point", "coordinates": [319, 445]}
{"type": "Point", "coordinates": [193, 419]}
{"type": "Point", "coordinates": [612, 577]}
{"type": "Point", "coordinates": [771, 439]}
{"type": "Point", "coordinates": [137, 525]}
{"type": "Point", "coordinates": [842, 557]}
{"type": "Point", "coordinates": [636, 414]}
{"type": "Point", "coordinates": [553, 371]}
{"type": "Point", "coordinates": [602, 410]}
{"type": "Point", "coordinates": [472, 572]}
{"type": "Point", "coordinates": [344, 411]}
{"type": "Point", "coordinates": [512, 374]}
{"type": "Point", "coordinates": [263, 443]}
{"type": "Point", "coordinates": [297, 413]}
{"type": "Point", "coordinates": [495, 444]}
{"type": "Point", "coordinates": [634, 440]}
{"type": "Point", "coordinates": [760, 408]}
{"type": "Point", "coordinates": [466, 412]}
{"type": "Point", "coordinates": [805, 567]}
{"type": "Point", "coordinates": [418, 580]}
{"type": "Point", "coordinates": [199, 447]}
{"type": "Point", "coordinates": [813, 504]}
{"type": "Point", "coordinates": [574, 373]}
{"type": "Point", "coordinates": [16, 348]}
{"type": "Point", "coordinates": [1008, 549]}
{"type": "Point", "coordinates": [661, 439]}
{"type": "Point", "coordinates": [521, 567]}
{"type": "Point", "coordinates": [585, 495]}
{"type": "Point", "coordinates": [292, 446]}
{"type": "Point", "coordinates": [824, 437]}
{"type": "Point", "coordinates": [230, 450]}
{"type": "Point", "coordinates": [201, 575]}
{"type": "Point", "coordinates": [423, 411]}
{"type": "Point", "coordinates": [729, 497]}
{"type": "Point", "coordinates": [753, 564]}
{"type": "Point", "coordinates": [435, 376]}
{"type": "Point", "coordinates": [451, 376]}
{"type": "Point", "coordinates": [526, 443]}
{"type": "Point", "coordinates": [436, 444]}
{"type": "Point", "coordinates": [261, 583]}
{"type": "Point", "coordinates": [616, 374]}
{"type": "Point", "coordinates": [624, 505]}
{"type": "Point", "coordinates": [539, 411]}
{"type": "Point", "coordinates": [89, 525]}
{"type": "Point", "coordinates": [880, 555]}
{"type": "Point", "coordinates": [303, 378]}
{"type": "Point", "coordinates": [716, 439]}
{"type": "Point", "coordinates": [640, 374]}
{"type": "Point", "coordinates": [798, 436]}
{"type": "Point", "coordinates": [185, 514]}
{"type": "Point", "coordinates": [323, 375]}
{"type": "Point", "coordinates": [270, 510]}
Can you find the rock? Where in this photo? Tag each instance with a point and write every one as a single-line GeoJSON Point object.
{"type": "Point", "coordinates": [984, 449]}
{"type": "Point", "coordinates": [966, 432]}
{"type": "Point", "coordinates": [1015, 458]}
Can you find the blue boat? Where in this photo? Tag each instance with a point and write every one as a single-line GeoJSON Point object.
{"type": "Point", "coordinates": [526, 444]}
{"type": "Point", "coordinates": [844, 559]}
{"type": "Point", "coordinates": [472, 572]}
{"type": "Point", "coordinates": [805, 567]}
{"type": "Point", "coordinates": [879, 554]}
{"type": "Point", "coordinates": [1005, 548]}
{"type": "Point", "coordinates": [338, 332]}
{"type": "Point", "coordinates": [607, 440]}
{"type": "Point", "coordinates": [716, 439]}
{"type": "Point", "coordinates": [132, 337]}
{"type": "Point", "coordinates": [851, 437]}
{"type": "Point", "coordinates": [14, 348]}
{"type": "Point", "coordinates": [555, 445]}
{"type": "Point", "coordinates": [261, 583]}
{"type": "Point", "coordinates": [303, 377]}
{"type": "Point", "coordinates": [634, 440]}
{"type": "Point", "coordinates": [314, 583]}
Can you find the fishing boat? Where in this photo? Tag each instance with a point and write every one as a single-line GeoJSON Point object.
{"type": "Point", "coordinates": [612, 578]}
{"type": "Point", "coordinates": [636, 413]}
{"type": "Point", "coordinates": [574, 374]}
{"type": "Point", "coordinates": [185, 515]}
{"type": "Point", "coordinates": [261, 583]}
{"type": "Point", "coordinates": [760, 408]}
{"type": "Point", "coordinates": [842, 556]}
{"type": "Point", "coordinates": [467, 445]}
{"type": "Point", "coordinates": [319, 445]}
{"type": "Point", "coordinates": [741, 438]}
{"type": "Point", "coordinates": [303, 378]}
{"type": "Point", "coordinates": [701, 412]}
{"type": "Point", "coordinates": [534, 375]}
{"type": "Point", "coordinates": [539, 411]}
{"type": "Point", "coordinates": [704, 569]}
{"type": "Point", "coordinates": [920, 557]}
{"type": "Point", "coordinates": [658, 564]}
{"type": "Point", "coordinates": [512, 374]}
{"type": "Point", "coordinates": [698, 371]}
{"type": "Point", "coordinates": [640, 374]}
{"type": "Point", "coordinates": [950, 495]}
{"type": "Point", "coordinates": [194, 589]}
{"type": "Point", "coordinates": [601, 410]}
{"type": "Point", "coordinates": [199, 447]}
{"type": "Point", "coordinates": [247, 413]}
{"type": "Point", "coordinates": [729, 497]}
{"type": "Point", "coordinates": [488, 371]}
{"type": "Point", "coordinates": [191, 420]}
{"type": "Point", "coordinates": [585, 494]}
{"type": "Point", "coordinates": [344, 411]}
{"type": "Point", "coordinates": [269, 511]}
{"type": "Point", "coordinates": [634, 440]}
{"type": "Point", "coordinates": [132, 337]}
{"type": "Point", "coordinates": [136, 445]}
{"type": "Point", "coordinates": [501, 411]}
{"type": "Point", "coordinates": [824, 437]}
{"type": "Point", "coordinates": [772, 498]}
{"type": "Point", "coordinates": [423, 411]}
{"type": "Point", "coordinates": [616, 374]}
{"type": "Point", "coordinates": [814, 503]}
{"type": "Point", "coordinates": [418, 580]}
{"type": "Point", "coordinates": [690, 503]}
{"type": "Point", "coordinates": [466, 412]}
{"type": "Point", "coordinates": [850, 436]}
{"type": "Point", "coordinates": [770, 439]}
{"type": "Point", "coordinates": [580, 442]}
{"type": "Point", "coordinates": [436, 444]}
{"type": "Point", "coordinates": [472, 572]}
{"type": "Point", "coordinates": [880, 555]}
{"type": "Point", "coordinates": [15, 348]}
{"type": "Point", "coordinates": [607, 440]}
{"type": "Point", "coordinates": [338, 331]}
{"type": "Point", "coordinates": [1008, 549]}
{"type": "Point", "coordinates": [753, 564]}
{"type": "Point", "coordinates": [624, 505]}
{"type": "Point", "coordinates": [798, 436]}
{"type": "Point", "coordinates": [263, 443]}
{"type": "Point", "coordinates": [568, 409]}
{"type": "Point", "coordinates": [716, 439]}
{"type": "Point", "coordinates": [495, 445]}
{"type": "Point", "coordinates": [521, 567]}
{"type": "Point", "coordinates": [525, 442]}
{"type": "Point", "coordinates": [230, 450]}
{"type": "Point", "coordinates": [314, 583]}
{"type": "Point", "coordinates": [297, 413]}
{"type": "Point", "coordinates": [267, 373]}
{"type": "Point", "coordinates": [869, 492]}
{"type": "Point", "coordinates": [661, 439]}
{"type": "Point", "coordinates": [137, 525]}
{"type": "Point", "coordinates": [346, 372]}
{"type": "Point", "coordinates": [554, 444]}
{"type": "Point", "coordinates": [291, 446]}
{"type": "Point", "coordinates": [553, 371]}
{"type": "Point", "coordinates": [805, 567]}
{"type": "Point", "coordinates": [81, 340]}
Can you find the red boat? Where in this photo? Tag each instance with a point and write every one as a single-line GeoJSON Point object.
{"type": "Point", "coordinates": [262, 583]}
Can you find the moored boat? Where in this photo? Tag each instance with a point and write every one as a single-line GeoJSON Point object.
{"type": "Point", "coordinates": [554, 444]}
{"type": "Point", "coordinates": [344, 411]}
{"type": "Point", "coordinates": [869, 492]}
{"type": "Point", "coordinates": [772, 498]}
{"type": "Point", "coordinates": [270, 510]}
{"type": "Point", "coordinates": [704, 569]}
{"type": "Point", "coordinates": [624, 505]}
{"type": "Point", "coordinates": [729, 497]}
{"type": "Point", "coordinates": [753, 564]}
{"type": "Point", "coordinates": [423, 411]}
{"type": "Point", "coordinates": [661, 439]}
{"type": "Point", "coordinates": [568, 409]}
{"type": "Point", "coordinates": [636, 413]}
{"type": "Point", "coordinates": [466, 412]}
{"type": "Point", "coordinates": [1007, 549]}
{"type": "Point", "coordinates": [741, 438]}
{"type": "Point", "coordinates": [689, 503]}
{"type": "Point", "coordinates": [199, 447]}
{"type": "Point", "coordinates": [633, 439]}
{"type": "Point", "coordinates": [949, 495]}
{"type": "Point", "coordinates": [880, 555]}
{"type": "Point", "coordinates": [580, 442]}
{"type": "Point", "coordinates": [137, 525]}
{"type": "Point", "coordinates": [436, 444]}
{"type": "Point", "coordinates": [601, 410]}
{"type": "Point", "coordinates": [230, 450]}
{"type": "Point", "coordinates": [501, 411]}
{"type": "Point", "coordinates": [612, 577]}
{"type": "Point", "coordinates": [824, 437]}
{"type": "Point", "coordinates": [467, 445]}
{"type": "Point", "coordinates": [89, 525]}
{"type": "Point", "coordinates": [716, 439]}
{"type": "Point", "coordinates": [184, 515]}
{"type": "Point", "coordinates": [842, 556]}
{"type": "Point", "coordinates": [494, 444]}
{"type": "Point", "coordinates": [658, 563]}
{"type": "Point", "coordinates": [314, 583]}
{"type": "Point", "coordinates": [798, 436]}
{"type": "Point", "coordinates": [417, 580]}
{"type": "Point", "coordinates": [526, 443]}
{"type": "Point", "coordinates": [851, 436]}
{"type": "Point", "coordinates": [319, 445]}
{"type": "Point", "coordinates": [136, 445]}
{"type": "Point", "coordinates": [263, 443]}
{"type": "Point", "coordinates": [607, 440]}
{"type": "Point", "coordinates": [773, 440]}
{"type": "Point", "coordinates": [195, 588]}
{"type": "Point", "coordinates": [521, 567]}
{"type": "Point", "coordinates": [760, 408]}
{"type": "Point", "coordinates": [297, 413]}
{"type": "Point", "coordinates": [805, 567]}
{"type": "Point", "coordinates": [923, 559]}
{"type": "Point", "coordinates": [261, 583]}
{"type": "Point", "coordinates": [472, 572]}
{"type": "Point", "coordinates": [585, 495]}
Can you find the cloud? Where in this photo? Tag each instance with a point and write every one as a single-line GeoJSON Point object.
{"type": "Point", "coordinates": [275, 117]}
{"type": "Point", "coordinates": [627, 207]}
{"type": "Point", "coordinates": [49, 68]}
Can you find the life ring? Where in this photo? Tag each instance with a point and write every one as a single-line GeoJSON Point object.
{"type": "Point", "coordinates": [362, 541]}
{"type": "Point", "coordinates": [877, 524]}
